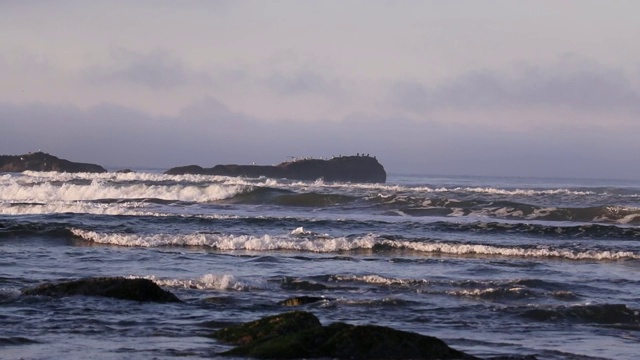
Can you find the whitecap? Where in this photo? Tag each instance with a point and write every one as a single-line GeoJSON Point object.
{"type": "Point", "coordinates": [208, 282]}
{"type": "Point", "coordinates": [336, 244]}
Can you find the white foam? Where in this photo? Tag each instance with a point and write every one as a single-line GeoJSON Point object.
{"type": "Point", "coordinates": [477, 249]}
{"type": "Point", "coordinates": [487, 292]}
{"type": "Point", "coordinates": [38, 177]}
{"type": "Point", "coordinates": [300, 231]}
{"type": "Point", "coordinates": [208, 282]}
{"type": "Point", "coordinates": [8, 294]}
{"type": "Point", "coordinates": [444, 189]}
{"type": "Point", "coordinates": [47, 192]}
{"type": "Point", "coordinates": [628, 218]}
{"type": "Point", "coordinates": [326, 245]}
{"type": "Point", "coordinates": [373, 279]}
{"type": "Point", "coordinates": [126, 208]}
{"type": "Point", "coordinates": [619, 214]}
{"type": "Point", "coordinates": [521, 192]}
{"type": "Point", "coordinates": [31, 177]}
{"type": "Point", "coordinates": [228, 242]}
{"type": "Point", "coordinates": [541, 212]}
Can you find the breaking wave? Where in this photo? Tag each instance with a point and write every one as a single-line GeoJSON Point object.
{"type": "Point", "coordinates": [339, 244]}
{"type": "Point", "coordinates": [96, 190]}
{"type": "Point", "coordinates": [478, 208]}
{"type": "Point", "coordinates": [584, 231]}
{"type": "Point", "coordinates": [33, 193]}
{"type": "Point", "coordinates": [209, 282]}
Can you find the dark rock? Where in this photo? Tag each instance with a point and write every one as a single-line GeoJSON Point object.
{"type": "Point", "coordinates": [125, 171]}
{"type": "Point", "coordinates": [40, 161]}
{"type": "Point", "coordinates": [292, 283]}
{"type": "Point", "coordinates": [300, 335]}
{"type": "Point", "coordinates": [268, 327]}
{"type": "Point", "coordinates": [344, 168]}
{"type": "Point", "coordinates": [218, 300]}
{"type": "Point", "coordinates": [189, 169]}
{"type": "Point", "coordinates": [114, 287]}
{"type": "Point", "coordinates": [301, 300]}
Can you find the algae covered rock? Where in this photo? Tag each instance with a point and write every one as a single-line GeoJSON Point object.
{"type": "Point", "coordinates": [378, 342]}
{"type": "Point", "coordinates": [268, 327]}
{"type": "Point", "coordinates": [301, 300]}
{"type": "Point", "coordinates": [291, 283]}
{"type": "Point", "coordinates": [113, 287]}
{"type": "Point", "coordinates": [300, 335]}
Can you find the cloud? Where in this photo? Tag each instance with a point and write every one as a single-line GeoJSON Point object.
{"type": "Point", "coordinates": [571, 83]}
{"type": "Point", "coordinates": [207, 133]}
{"type": "Point", "coordinates": [157, 69]}
{"type": "Point", "coordinates": [303, 82]}
{"type": "Point", "coordinates": [209, 108]}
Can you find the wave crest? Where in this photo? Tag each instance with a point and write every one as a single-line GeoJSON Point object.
{"type": "Point", "coordinates": [208, 282]}
{"type": "Point", "coordinates": [338, 244]}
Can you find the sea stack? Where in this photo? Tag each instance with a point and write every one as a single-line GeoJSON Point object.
{"type": "Point", "coordinates": [40, 161]}
{"type": "Point", "coordinates": [362, 169]}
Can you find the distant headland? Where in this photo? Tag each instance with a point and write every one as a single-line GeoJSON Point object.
{"type": "Point", "coordinates": [40, 161]}
{"type": "Point", "coordinates": [352, 168]}
{"type": "Point", "coordinates": [358, 168]}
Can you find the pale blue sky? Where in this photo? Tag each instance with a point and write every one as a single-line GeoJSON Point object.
{"type": "Point", "coordinates": [546, 88]}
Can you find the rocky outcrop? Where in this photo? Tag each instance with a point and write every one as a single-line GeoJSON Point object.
{"type": "Point", "coordinates": [301, 300]}
{"type": "Point", "coordinates": [113, 287]}
{"type": "Point", "coordinates": [299, 334]}
{"type": "Point", "coordinates": [40, 161]}
{"type": "Point", "coordinates": [344, 168]}
{"type": "Point", "coordinates": [268, 328]}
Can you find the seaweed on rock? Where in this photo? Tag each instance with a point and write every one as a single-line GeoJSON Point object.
{"type": "Point", "coordinates": [299, 334]}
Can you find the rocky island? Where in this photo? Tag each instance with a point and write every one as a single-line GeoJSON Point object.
{"type": "Point", "coordinates": [40, 161]}
{"type": "Point", "coordinates": [359, 168]}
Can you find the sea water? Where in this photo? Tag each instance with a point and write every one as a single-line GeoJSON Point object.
{"type": "Point", "coordinates": [493, 266]}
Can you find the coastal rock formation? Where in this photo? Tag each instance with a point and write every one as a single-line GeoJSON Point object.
{"type": "Point", "coordinates": [301, 300]}
{"type": "Point", "coordinates": [299, 334]}
{"type": "Point", "coordinates": [344, 168]}
{"type": "Point", "coordinates": [113, 287]}
{"type": "Point", "coordinates": [40, 161]}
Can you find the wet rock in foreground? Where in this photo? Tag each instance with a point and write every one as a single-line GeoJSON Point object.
{"type": "Point", "coordinates": [268, 328]}
{"type": "Point", "coordinates": [299, 334]}
{"type": "Point", "coordinates": [113, 287]}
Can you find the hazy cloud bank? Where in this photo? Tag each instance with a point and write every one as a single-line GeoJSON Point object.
{"type": "Point", "coordinates": [209, 133]}
{"type": "Point", "coordinates": [571, 83]}
{"type": "Point", "coordinates": [157, 69]}
{"type": "Point", "coordinates": [428, 87]}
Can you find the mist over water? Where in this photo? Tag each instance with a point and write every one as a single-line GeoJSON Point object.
{"type": "Point", "coordinates": [493, 266]}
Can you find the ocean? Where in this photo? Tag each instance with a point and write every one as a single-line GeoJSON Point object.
{"type": "Point", "coordinates": [492, 266]}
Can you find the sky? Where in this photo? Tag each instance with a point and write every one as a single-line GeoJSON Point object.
{"type": "Point", "coordinates": [542, 88]}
